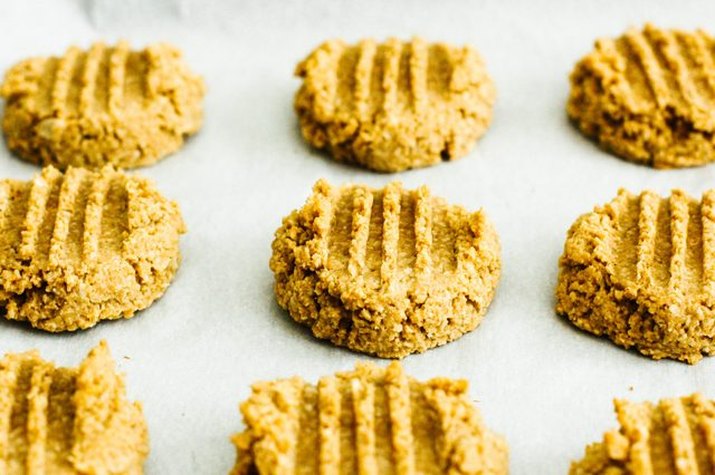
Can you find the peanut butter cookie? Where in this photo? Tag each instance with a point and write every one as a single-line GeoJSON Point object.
{"type": "Point", "coordinates": [674, 436]}
{"type": "Point", "coordinates": [370, 420]}
{"type": "Point", "coordinates": [108, 105]}
{"type": "Point", "coordinates": [84, 246]}
{"type": "Point", "coordinates": [648, 96]}
{"type": "Point", "coordinates": [68, 420]}
{"type": "Point", "coordinates": [387, 272]}
{"type": "Point", "coordinates": [641, 270]}
{"type": "Point", "coordinates": [395, 105]}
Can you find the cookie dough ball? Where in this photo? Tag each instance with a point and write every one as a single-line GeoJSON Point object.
{"type": "Point", "coordinates": [107, 105]}
{"type": "Point", "coordinates": [670, 436]}
{"type": "Point", "coordinates": [648, 96]}
{"type": "Point", "coordinates": [69, 420]}
{"type": "Point", "coordinates": [394, 105]}
{"type": "Point", "coordinates": [386, 272]}
{"type": "Point", "coordinates": [395, 424]}
{"type": "Point", "coordinates": [84, 246]}
{"type": "Point", "coordinates": [641, 271]}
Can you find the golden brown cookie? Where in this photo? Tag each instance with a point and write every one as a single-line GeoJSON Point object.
{"type": "Point", "coordinates": [674, 436]}
{"type": "Point", "coordinates": [68, 420]}
{"type": "Point", "coordinates": [84, 246]}
{"type": "Point", "coordinates": [641, 270]}
{"type": "Point", "coordinates": [648, 96]}
{"type": "Point", "coordinates": [387, 272]}
{"type": "Point", "coordinates": [107, 105]}
{"type": "Point", "coordinates": [370, 420]}
{"type": "Point", "coordinates": [394, 105]}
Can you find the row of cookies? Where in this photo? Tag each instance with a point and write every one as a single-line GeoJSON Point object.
{"type": "Point", "coordinates": [645, 96]}
{"type": "Point", "coordinates": [386, 272]}
{"type": "Point", "coordinates": [369, 420]}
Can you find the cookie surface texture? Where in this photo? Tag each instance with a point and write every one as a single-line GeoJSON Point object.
{"type": "Point", "coordinates": [84, 246]}
{"type": "Point", "coordinates": [385, 271]}
{"type": "Point", "coordinates": [648, 96]}
{"type": "Point", "coordinates": [68, 420]}
{"type": "Point", "coordinates": [103, 106]}
{"type": "Point", "coordinates": [641, 271]}
{"type": "Point", "coordinates": [394, 105]}
{"type": "Point", "coordinates": [671, 437]}
{"type": "Point", "coordinates": [370, 420]}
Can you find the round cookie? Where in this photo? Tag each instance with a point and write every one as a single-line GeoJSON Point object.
{"type": "Point", "coordinates": [394, 105]}
{"type": "Point", "coordinates": [395, 424]}
{"type": "Point", "coordinates": [107, 105]}
{"type": "Point", "coordinates": [641, 271]}
{"type": "Point", "coordinates": [387, 272]}
{"type": "Point", "coordinates": [670, 436]}
{"type": "Point", "coordinates": [84, 246]}
{"type": "Point", "coordinates": [647, 96]}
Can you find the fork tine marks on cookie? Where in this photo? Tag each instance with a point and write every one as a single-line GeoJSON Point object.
{"type": "Point", "coordinates": [679, 215]}
{"type": "Point", "coordinates": [391, 75]}
{"type": "Point", "coordinates": [37, 209]}
{"type": "Point", "coordinates": [9, 371]}
{"type": "Point", "coordinates": [670, 436]}
{"type": "Point", "coordinates": [367, 50]}
{"type": "Point", "coordinates": [63, 81]}
{"type": "Point", "coordinates": [681, 437]}
{"type": "Point", "coordinates": [654, 74]}
{"type": "Point", "coordinates": [647, 220]}
{"type": "Point", "coordinates": [423, 235]}
{"type": "Point", "coordinates": [704, 423]}
{"type": "Point", "coordinates": [89, 78]}
{"type": "Point", "coordinates": [360, 234]}
{"type": "Point", "coordinates": [391, 207]}
{"type": "Point", "coordinates": [419, 65]}
{"type": "Point", "coordinates": [674, 68]}
{"type": "Point", "coordinates": [66, 207]}
{"type": "Point", "coordinates": [329, 401]}
{"type": "Point", "coordinates": [37, 418]}
{"type": "Point", "coordinates": [708, 238]}
{"type": "Point", "coordinates": [400, 413]}
{"type": "Point", "coordinates": [92, 228]}
{"type": "Point", "coordinates": [117, 77]}
{"type": "Point", "coordinates": [363, 396]}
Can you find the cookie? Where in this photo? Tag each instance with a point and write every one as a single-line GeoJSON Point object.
{"type": "Point", "coordinates": [68, 420]}
{"type": "Point", "coordinates": [647, 96]}
{"type": "Point", "coordinates": [641, 271]}
{"type": "Point", "coordinates": [386, 271]}
{"type": "Point", "coordinates": [370, 420]}
{"type": "Point", "coordinates": [84, 246]}
{"type": "Point", "coordinates": [394, 105]}
{"type": "Point", "coordinates": [106, 105]}
{"type": "Point", "coordinates": [674, 436]}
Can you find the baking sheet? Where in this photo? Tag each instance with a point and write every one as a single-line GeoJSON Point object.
{"type": "Point", "coordinates": [191, 357]}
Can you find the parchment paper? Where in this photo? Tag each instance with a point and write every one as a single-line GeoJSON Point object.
{"type": "Point", "coordinates": [191, 357]}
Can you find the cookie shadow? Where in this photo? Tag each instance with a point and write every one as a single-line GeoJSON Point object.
{"type": "Point", "coordinates": [282, 321]}
{"type": "Point", "coordinates": [313, 153]}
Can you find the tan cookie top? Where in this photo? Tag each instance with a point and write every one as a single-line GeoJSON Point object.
{"type": "Point", "coordinates": [394, 105]}
{"type": "Point", "coordinates": [674, 436]}
{"type": "Point", "coordinates": [106, 105]}
{"type": "Point", "coordinates": [649, 96]}
{"type": "Point", "coordinates": [385, 271]}
{"type": "Point", "coordinates": [371, 420]}
{"type": "Point", "coordinates": [68, 420]}
{"type": "Point", "coordinates": [641, 270]}
{"type": "Point", "coordinates": [84, 246]}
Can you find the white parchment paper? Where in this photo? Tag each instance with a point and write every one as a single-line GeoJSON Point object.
{"type": "Point", "coordinates": [191, 357]}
